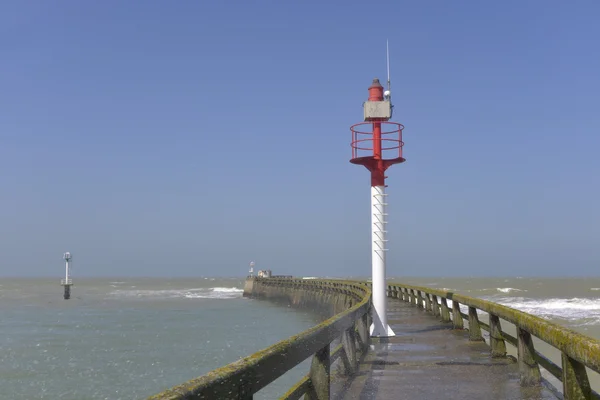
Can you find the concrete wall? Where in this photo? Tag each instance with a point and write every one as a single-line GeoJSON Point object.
{"type": "Point", "coordinates": [319, 299]}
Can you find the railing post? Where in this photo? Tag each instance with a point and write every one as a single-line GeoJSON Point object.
{"type": "Point", "coordinates": [363, 331]}
{"type": "Point", "coordinates": [419, 299]}
{"type": "Point", "coordinates": [435, 309]}
{"type": "Point", "coordinates": [575, 380]}
{"type": "Point", "coordinates": [319, 376]}
{"type": "Point", "coordinates": [445, 310]}
{"type": "Point", "coordinates": [474, 327]}
{"type": "Point", "coordinates": [457, 319]}
{"type": "Point", "coordinates": [369, 317]}
{"type": "Point", "coordinates": [497, 344]}
{"type": "Point", "coordinates": [349, 346]}
{"type": "Point", "coordinates": [427, 302]}
{"type": "Point", "coordinates": [528, 367]}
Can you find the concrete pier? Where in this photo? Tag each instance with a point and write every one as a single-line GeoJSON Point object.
{"type": "Point", "coordinates": [428, 359]}
{"type": "Point", "coordinates": [438, 351]}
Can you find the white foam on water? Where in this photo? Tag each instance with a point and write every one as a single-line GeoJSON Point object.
{"type": "Point", "coordinates": [579, 311]}
{"type": "Point", "coordinates": [575, 311]}
{"type": "Point", "coordinates": [216, 293]}
{"type": "Point", "coordinates": [594, 288]}
{"type": "Point", "coordinates": [509, 289]}
{"type": "Point", "coordinates": [227, 290]}
{"type": "Point", "coordinates": [192, 293]}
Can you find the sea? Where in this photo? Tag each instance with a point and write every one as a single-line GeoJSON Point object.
{"type": "Point", "coordinates": [129, 338]}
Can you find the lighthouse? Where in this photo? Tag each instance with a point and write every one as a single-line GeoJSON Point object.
{"type": "Point", "coordinates": [377, 145]}
{"type": "Point", "coordinates": [67, 282]}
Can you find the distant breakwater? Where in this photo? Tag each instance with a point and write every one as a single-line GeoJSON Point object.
{"type": "Point", "coordinates": [307, 294]}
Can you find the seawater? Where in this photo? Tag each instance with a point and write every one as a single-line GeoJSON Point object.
{"type": "Point", "coordinates": [128, 338]}
{"type": "Point", "coordinates": [570, 302]}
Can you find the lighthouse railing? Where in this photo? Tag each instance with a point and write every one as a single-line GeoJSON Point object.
{"type": "Point", "coordinates": [578, 353]}
{"type": "Point", "coordinates": [245, 377]}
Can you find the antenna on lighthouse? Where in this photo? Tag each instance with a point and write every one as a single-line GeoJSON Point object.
{"type": "Point", "coordinates": [67, 282]}
{"type": "Point", "coordinates": [388, 93]}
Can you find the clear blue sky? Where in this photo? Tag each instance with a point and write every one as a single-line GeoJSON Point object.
{"type": "Point", "coordinates": [188, 138]}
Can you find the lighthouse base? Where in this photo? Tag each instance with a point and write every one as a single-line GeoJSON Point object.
{"type": "Point", "coordinates": [67, 293]}
{"type": "Point", "coordinates": [381, 331]}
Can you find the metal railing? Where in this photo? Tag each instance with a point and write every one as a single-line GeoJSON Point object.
{"type": "Point", "coordinates": [578, 351]}
{"type": "Point", "coordinates": [243, 378]}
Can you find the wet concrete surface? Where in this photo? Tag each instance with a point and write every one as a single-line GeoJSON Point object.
{"type": "Point", "coordinates": [427, 359]}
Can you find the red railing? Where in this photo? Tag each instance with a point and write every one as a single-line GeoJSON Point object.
{"type": "Point", "coordinates": [391, 139]}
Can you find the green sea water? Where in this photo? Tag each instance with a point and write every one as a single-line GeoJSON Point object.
{"type": "Point", "coordinates": [128, 338]}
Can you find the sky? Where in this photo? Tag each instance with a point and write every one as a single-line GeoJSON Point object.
{"type": "Point", "coordinates": [189, 138]}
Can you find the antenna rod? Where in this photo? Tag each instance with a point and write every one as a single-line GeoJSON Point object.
{"type": "Point", "coordinates": [387, 48]}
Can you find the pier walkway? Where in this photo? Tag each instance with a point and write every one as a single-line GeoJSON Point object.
{"type": "Point", "coordinates": [428, 359]}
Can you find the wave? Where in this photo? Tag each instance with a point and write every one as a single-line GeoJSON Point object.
{"type": "Point", "coordinates": [227, 289]}
{"type": "Point", "coordinates": [573, 312]}
{"type": "Point", "coordinates": [577, 311]}
{"type": "Point", "coordinates": [192, 293]}
{"type": "Point", "coordinates": [509, 289]}
{"type": "Point", "coordinates": [594, 288]}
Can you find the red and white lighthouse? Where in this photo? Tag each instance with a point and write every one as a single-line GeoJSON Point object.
{"type": "Point", "coordinates": [377, 144]}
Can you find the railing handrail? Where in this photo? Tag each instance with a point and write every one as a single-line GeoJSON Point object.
{"type": "Point", "coordinates": [578, 351]}
{"type": "Point", "coordinates": [242, 378]}
{"type": "Point", "coordinates": [576, 345]}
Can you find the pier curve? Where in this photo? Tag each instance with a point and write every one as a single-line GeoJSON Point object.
{"type": "Point", "coordinates": [439, 350]}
